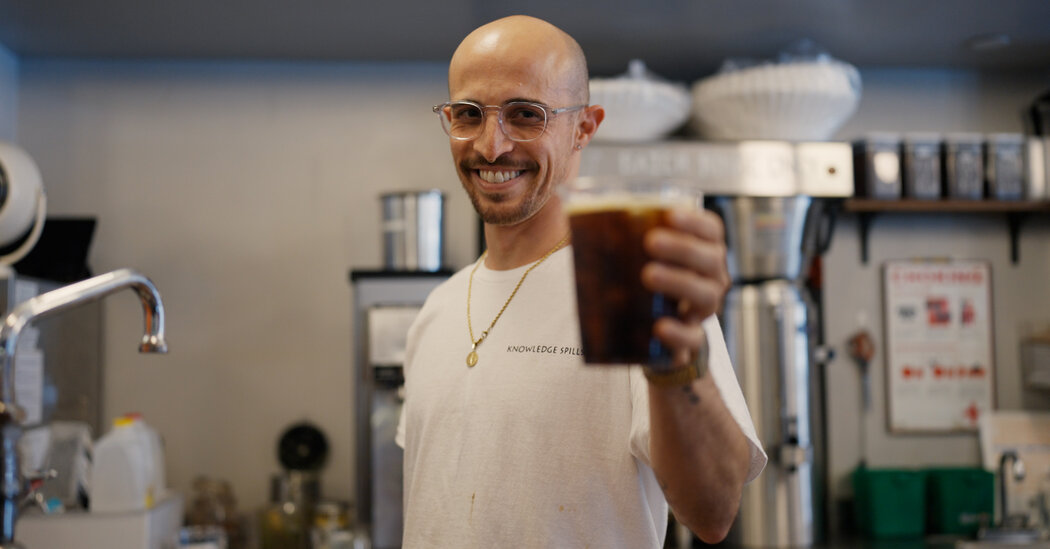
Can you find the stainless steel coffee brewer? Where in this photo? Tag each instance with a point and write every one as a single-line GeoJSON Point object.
{"type": "Point", "coordinates": [772, 196]}
{"type": "Point", "coordinates": [771, 328]}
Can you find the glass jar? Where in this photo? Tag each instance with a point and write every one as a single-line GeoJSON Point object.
{"type": "Point", "coordinates": [286, 522]}
{"type": "Point", "coordinates": [331, 525]}
{"type": "Point", "coordinates": [214, 504]}
{"type": "Point", "coordinates": [282, 526]}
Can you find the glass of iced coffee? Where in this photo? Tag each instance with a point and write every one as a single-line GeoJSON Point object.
{"type": "Point", "coordinates": [609, 217]}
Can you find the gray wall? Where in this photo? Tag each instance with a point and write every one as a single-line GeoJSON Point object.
{"type": "Point", "coordinates": [8, 94]}
{"type": "Point", "coordinates": [941, 101]}
{"type": "Point", "coordinates": [248, 190]}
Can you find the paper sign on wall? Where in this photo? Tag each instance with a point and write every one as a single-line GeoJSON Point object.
{"type": "Point", "coordinates": [939, 354]}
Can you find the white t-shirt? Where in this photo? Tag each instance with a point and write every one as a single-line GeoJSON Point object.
{"type": "Point", "coordinates": [531, 447]}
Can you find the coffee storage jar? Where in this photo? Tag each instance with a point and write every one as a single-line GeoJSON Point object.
{"type": "Point", "coordinates": [964, 165]}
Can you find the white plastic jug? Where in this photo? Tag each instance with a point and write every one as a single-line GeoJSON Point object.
{"type": "Point", "coordinates": [127, 472]}
{"type": "Point", "coordinates": [155, 452]}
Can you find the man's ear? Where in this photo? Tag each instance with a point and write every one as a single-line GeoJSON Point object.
{"type": "Point", "coordinates": [590, 119]}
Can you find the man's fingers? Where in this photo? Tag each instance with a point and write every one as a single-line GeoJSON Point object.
{"type": "Point", "coordinates": [702, 223]}
{"type": "Point", "coordinates": [701, 295]}
{"type": "Point", "coordinates": [679, 336]}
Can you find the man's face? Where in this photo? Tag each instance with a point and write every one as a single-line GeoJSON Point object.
{"type": "Point", "coordinates": [509, 181]}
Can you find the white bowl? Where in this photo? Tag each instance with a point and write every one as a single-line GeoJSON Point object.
{"type": "Point", "coordinates": [638, 109]}
{"type": "Point", "coordinates": [799, 101]}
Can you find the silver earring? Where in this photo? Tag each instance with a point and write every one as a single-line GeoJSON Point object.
{"type": "Point", "coordinates": [579, 147]}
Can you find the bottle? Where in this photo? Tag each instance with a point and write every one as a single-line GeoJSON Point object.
{"type": "Point", "coordinates": [329, 524]}
{"type": "Point", "coordinates": [286, 522]}
{"type": "Point", "coordinates": [121, 471]}
{"type": "Point", "coordinates": [150, 439]}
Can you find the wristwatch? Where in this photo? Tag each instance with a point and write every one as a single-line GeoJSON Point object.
{"type": "Point", "coordinates": [682, 375]}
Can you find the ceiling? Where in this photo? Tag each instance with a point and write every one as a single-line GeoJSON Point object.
{"type": "Point", "coordinates": [681, 39]}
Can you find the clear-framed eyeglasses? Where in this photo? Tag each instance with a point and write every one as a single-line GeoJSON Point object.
{"type": "Point", "coordinates": [519, 120]}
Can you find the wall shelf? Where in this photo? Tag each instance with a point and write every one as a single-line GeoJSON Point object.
{"type": "Point", "coordinates": [1015, 212]}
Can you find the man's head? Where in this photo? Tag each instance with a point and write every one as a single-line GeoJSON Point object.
{"type": "Point", "coordinates": [520, 58]}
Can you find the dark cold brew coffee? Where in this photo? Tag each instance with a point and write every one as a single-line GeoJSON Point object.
{"type": "Point", "coordinates": [616, 311]}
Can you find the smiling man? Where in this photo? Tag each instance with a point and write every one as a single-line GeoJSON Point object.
{"type": "Point", "coordinates": [510, 440]}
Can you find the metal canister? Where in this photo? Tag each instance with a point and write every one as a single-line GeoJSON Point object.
{"type": "Point", "coordinates": [922, 166]}
{"type": "Point", "coordinates": [1005, 164]}
{"type": "Point", "coordinates": [877, 166]}
{"type": "Point", "coordinates": [413, 230]}
{"type": "Point", "coordinates": [964, 165]}
{"type": "Point", "coordinates": [766, 235]}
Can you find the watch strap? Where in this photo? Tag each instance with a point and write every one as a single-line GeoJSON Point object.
{"type": "Point", "coordinates": [681, 375]}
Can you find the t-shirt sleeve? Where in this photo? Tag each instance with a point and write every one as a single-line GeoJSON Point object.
{"type": "Point", "coordinates": [721, 370]}
{"type": "Point", "coordinates": [639, 435]}
{"type": "Point", "coordinates": [399, 436]}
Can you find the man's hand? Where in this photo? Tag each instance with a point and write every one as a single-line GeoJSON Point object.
{"type": "Point", "coordinates": [698, 452]}
{"type": "Point", "coordinates": [689, 264]}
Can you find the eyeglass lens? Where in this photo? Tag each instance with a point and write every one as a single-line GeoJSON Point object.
{"type": "Point", "coordinates": [520, 121]}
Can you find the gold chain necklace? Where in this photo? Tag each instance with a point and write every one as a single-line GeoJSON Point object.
{"type": "Point", "coordinates": [472, 356]}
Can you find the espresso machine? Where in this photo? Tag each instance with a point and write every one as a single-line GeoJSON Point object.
{"type": "Point", "coordinates": [775, 200]}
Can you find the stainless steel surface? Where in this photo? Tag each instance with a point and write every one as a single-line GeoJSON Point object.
{"type": "Point", "coordinates": [1002, 544]}
{"type": "Point", "coordinates": [53, 302]}
{"type": "Point", "coordinates": [1010, 467]}
{"type": "Point", "coordinates": [921, 166]}
{"type": "Point", "coordinates": [964, 170]}
{"type": "Point", "coordinates": [767, 328]}
{"type": "Point", "coordinates": [387, 468]}
{"type": "Point", "coordinates": [413, 230]}
{"type": "Point", "coordinates": [1008, 537]}
{"type": "Point", "coordinates": [378, 467]}
{"type": "Point", "coordinates": [765, 236]}
{"type": "Point", "coordinates": [1006, 166]}
{"type": "Point", "coordinates": [744, 168]}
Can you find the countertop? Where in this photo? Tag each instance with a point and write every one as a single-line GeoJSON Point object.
{"type": "Point", "coordinates": [943, 542]}
{"type": "Point", "coordinates": [939, 542]}
{"type": "Point", "coordinates": [931, 543]}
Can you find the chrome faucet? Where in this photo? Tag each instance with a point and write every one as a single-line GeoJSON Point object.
{"type": "Point", "coordinates": [1012, 529]}
{"type": "Point", "coordinates": [12, 486]}
{"type": "Point", "coordinates": [1018, 472]}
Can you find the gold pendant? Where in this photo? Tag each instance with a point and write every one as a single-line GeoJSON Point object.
{"type": "Point", "coordinates": [472, 359]}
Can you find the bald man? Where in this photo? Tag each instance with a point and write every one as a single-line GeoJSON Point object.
{"type": "Point", "coordinates": [510, 440]}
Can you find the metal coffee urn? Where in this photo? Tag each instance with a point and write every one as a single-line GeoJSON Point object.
{"type": "Point", "coordinates": [771, 324]}
{"type": "Point", "coordinates": [772, 196]}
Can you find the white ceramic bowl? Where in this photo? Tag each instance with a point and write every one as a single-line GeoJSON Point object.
{"type": "Point", "coordinates": [638, 109]}
{"type": "Point", "coordinates": [800, 101]}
